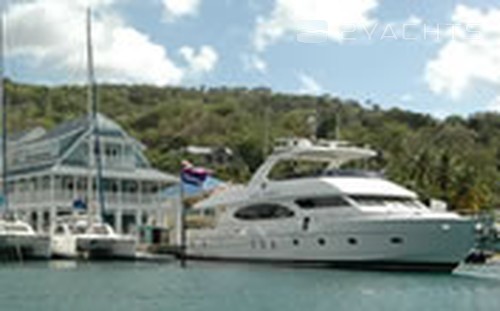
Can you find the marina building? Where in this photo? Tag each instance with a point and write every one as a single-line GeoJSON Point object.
{"type": "Point", "coordinates": [53, 172]}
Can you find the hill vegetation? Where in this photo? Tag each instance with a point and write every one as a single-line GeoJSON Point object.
{"type": "Point", "coordinates": [456, 159]}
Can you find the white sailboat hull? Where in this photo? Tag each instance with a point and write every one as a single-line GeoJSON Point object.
{"type": "Point", "coordinates": [93, 247]}
{"type": "Point", "coordinates": [25, 246]}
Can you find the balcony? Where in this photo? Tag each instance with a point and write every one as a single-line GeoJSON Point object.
{"type": "Point", "coordinates": [63, 198]}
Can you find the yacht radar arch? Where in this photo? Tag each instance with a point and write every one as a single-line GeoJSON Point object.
{"type": "Point", "coordinates": [335, 153]}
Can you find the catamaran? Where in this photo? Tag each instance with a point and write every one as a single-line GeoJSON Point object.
{"type": "Point", "coordinates": [81, 236]}
{"type": "Point", "coordinates": [86, 235]}
{"type": "Point", "coordinates": [302, 207]}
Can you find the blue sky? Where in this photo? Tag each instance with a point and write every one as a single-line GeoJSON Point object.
{"type": "Point", "coordinates": [254, 43]}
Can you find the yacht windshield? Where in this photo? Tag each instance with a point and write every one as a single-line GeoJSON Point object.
{"type": "Point", "coordinates": [385, 201]}
{"type": "Point", "coordinates": [297, 169]}
{"type": "Point", "coordinates": [292, 169]}
{"type": "Point", "coordinates": [100, 229]}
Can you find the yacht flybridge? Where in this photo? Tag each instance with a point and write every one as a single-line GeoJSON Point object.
{"type": "Point", "coordinates": [302, 207]}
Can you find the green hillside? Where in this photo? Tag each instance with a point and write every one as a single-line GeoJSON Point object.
{"type": "Point", "coordinates": [457, 159]}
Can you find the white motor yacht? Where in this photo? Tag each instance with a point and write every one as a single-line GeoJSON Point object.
{"type": "Point", "coordinates": [326, 215]}
{"type": "Point", "coordinates": [19, 241]}
{"type": "Point", "coordinates": [84, 237]}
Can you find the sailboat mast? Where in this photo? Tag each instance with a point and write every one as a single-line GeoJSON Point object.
{"type": "Point", "coordinates": [92, 115]}
{"type": "Point", "coordinates": [4, 114]}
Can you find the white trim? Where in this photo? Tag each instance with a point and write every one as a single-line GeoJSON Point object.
{"type": "Point", "coordinates": [75, 144]}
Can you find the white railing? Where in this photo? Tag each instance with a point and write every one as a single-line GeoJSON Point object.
{"type": "Point", "coordinates": [113, 199]}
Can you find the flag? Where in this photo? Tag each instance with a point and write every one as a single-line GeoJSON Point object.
{"type": "Point", "coordinates": [194, 175]}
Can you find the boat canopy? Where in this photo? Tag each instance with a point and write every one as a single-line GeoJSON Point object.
{"type": "Point", "coordinates": [334, 153]}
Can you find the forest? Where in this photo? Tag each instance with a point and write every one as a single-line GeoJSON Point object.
{"type": "Point", "coordinates": [456, 159]}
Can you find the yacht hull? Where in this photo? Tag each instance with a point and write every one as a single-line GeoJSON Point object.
{"type": "Point", "coordinates": [25, 247]}
{"type": "Point", "coordinates": [397, 244]}
{"type": "Point", "coordinates": [348, 265]}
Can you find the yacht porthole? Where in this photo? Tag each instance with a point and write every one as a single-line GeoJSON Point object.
{"type": "Point", "coordinates": [262, 244]}
{"type": "Point", "coordinates": [273, 245]}
{"type": "Point", "coordinates": [321, 241]}
{"type": "Point", "coordinates": [295, 242]}
{"type": "Point", "coordinates": [352, 241]}
{"type": "Point", "coordinates": [397, 240]}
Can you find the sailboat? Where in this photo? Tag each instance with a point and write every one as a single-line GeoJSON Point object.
{"type": "Point", "coordinates": [85, 235]}
{"type": "Point", "coordinates": [18, 240]}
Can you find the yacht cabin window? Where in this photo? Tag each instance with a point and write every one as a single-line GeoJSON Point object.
{"type": "Point", "coordinates": [386, 201]}
{"type": "Point", "coordinates": [99, 229]}
{"type": "Point", "coordinates": [263, 212]}
{"type": "Point", "coordinates": [322, 202]}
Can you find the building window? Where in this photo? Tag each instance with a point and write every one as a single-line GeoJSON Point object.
{"type": "Point", "coordinates": [263, 212]}
{"type": "Point", "coordinates": [60, 230]}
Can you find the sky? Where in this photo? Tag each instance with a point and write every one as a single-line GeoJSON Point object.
{"type": "Point", "coordinates": [437, 57]}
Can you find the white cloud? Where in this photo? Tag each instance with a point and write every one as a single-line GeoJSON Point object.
{"type": "Point", "coordinates": [200, 63]}
{"type": "Point", "coordinates": [54, 38]}
{"type": "Point", "coordinates": [407, 97]}
{"type": "Point", "coordinates": [308, 85]}
{"type": "Point", "coordinates": [180, 8]}
{"type": "Point", "coordinates": [471, 54]}
{"type": "Point", "coordinates": [254, 62]}
{"type": "Point", "coordinates": [495, 104]}
{"type": "Point", "coordinates": [288, 15]}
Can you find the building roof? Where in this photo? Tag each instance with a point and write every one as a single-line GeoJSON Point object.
{"type": "Point", "coordinates": [149, 174]}
{"type": "Point", "coordinates": [104, 124]}
{"type": "Point", "coordinates": [35, 151]}
{"type": "Point", "coordinates": [27, 135]}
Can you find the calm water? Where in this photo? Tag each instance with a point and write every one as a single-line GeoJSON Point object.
{"type": "Point", "coordinates": [149, 286]}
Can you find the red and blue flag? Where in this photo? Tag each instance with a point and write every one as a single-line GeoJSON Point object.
{"type": "Point", "coordinates": [194, 175]}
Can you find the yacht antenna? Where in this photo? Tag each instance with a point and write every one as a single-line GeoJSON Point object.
{"type": "Point", "coordinates": [4, 114]}
{"type": "Point", "coordinates": [266, 132]}
{"type": "Point", "coordinates": [337, 123]}
{"type": "Point", "coordinates": [92, 117]}
{"type": "Point", "coordinates": [312, 121]}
